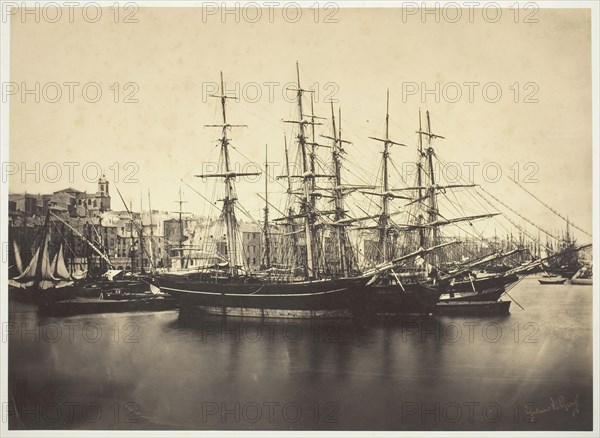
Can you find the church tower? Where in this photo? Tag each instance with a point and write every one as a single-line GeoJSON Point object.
{"type": "Point", "coordinates": [103, 194]}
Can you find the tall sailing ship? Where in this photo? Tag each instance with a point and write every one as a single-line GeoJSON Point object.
{"type": "Point", "coordinates": [414, 264]}
{"type": "Point", "coordinates": [235, 291]}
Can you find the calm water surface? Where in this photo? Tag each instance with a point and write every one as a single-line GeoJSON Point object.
{"type": "Point", "coordinates": [531, 370]}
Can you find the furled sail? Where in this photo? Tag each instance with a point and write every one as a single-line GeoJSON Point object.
{"type": "Point", "coordinates": [47, 268]}
{"type": "Point", "coordinates": [60, 267]}
{"type": "Point", "coordinates": [18, 260]}
{"type": "Point", "coordinates": [40, 271]}
{"type": "Point", "coordinates": [29, 272]}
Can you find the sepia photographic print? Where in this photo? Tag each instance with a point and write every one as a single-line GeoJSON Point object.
{"type": "Point", "coordinates": [323, 218]}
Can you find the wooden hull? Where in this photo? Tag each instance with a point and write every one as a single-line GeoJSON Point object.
{"type": "Point", "coordinates": [482, 284]}
{"type": "Point", "coordinates": [98, 286]}
{"type": "Point", "coordinates": [552, 280]}
{"type": "Point", "coordinates": [310, 299]}
{"type": "Point", "coordinates": [474, 308]}
{"type": "Point", "coordinates": [81, 306]}
{"type": "Point", "coordinates": [582, 281]}
{"type": "Point", "coordinates": [450, 296]}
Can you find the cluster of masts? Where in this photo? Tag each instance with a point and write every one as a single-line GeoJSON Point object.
{"type": "Point", "coordinates": [304, 221]}
{"type": "Point", "coordinates": [427, 223]}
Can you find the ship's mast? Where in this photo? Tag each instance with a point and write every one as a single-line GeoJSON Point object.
{"type": "Point", "coordinates": [229, 201]}
{"type": "Point", "coordinates": [267, 237]}
{"type": "Point", "coordinates": [383, 219]}
{"type": "Point", "coordinates": [290, 211]}
{"type": "Point", "coordinates": [141, 235]}
{"type": "Point", "coordinates": [432, 188]}
{"type": "Point", "coordinates": [181, 228]}
{"type": "Point", "coordinates": [151, 231]}
{"type": "Point", "coordinates": [229, 176]}
{"type": "Point", "coordinates": [338, 194]}
{"type": "Point", "coordinates": [420, 183]}
{"type": "Point", "coordinates": [386, 194]}
{"type": "Point", "coordinates": [132, 237]}
{"type": "Point", "coordinates": [24, 245]}
{"type": "Point", "coordinates": [308, 183]}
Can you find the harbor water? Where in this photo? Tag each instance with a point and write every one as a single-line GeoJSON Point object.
{"type": "Point", "coordinates": [530, 370]}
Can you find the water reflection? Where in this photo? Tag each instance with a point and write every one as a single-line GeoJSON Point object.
{"type": "Point", "coordinates": [163, 370]}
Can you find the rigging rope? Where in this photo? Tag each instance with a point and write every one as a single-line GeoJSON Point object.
{"type": "Point", "coordinates": [550, 208]}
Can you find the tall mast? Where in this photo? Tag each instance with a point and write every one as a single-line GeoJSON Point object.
{"type": "Point", "coordinates": [420, 183]}
{"type": "Point", "coordinates": [338, 195]}
{"type": "Point", "coordinates": [229, 201]}
{"type": "Point", "coordinates": [181, 229]}
{"type": "Point", "coordinates": [141, 235]}
{"type": "Point", "coordinates": [229, 180]}
{"type": "Point", "coordinates": [432, 195]}
{"type": "Point", "coordinates": [313, 143]}
{"type": "Point", "coordinates": [383, 220]}
{"type": "Point", "coordinates": [290, 211]}
{"type": "Point", "coordinates": [132, 237]}
{"type": "Point", "coordinates": [307, 184]}
{"type": "Point", "coordinates": [151, 231]}
{"type": "Point", "coordinates": [267, 238]}
{"type": "Point", "coordinates": [386, 194]}
{"type": "Point", "coordinates": [24, 247]}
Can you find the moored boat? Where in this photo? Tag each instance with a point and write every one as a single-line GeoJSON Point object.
{"type": "Point", "coordinates": [239, 292]}
{"type": "Point", "coordinates": [492, 294]}
{"type": "Point", "coordinates": [475, 308]}
{"type": "Point", "coordinates": [583, 276]}
{"type": "Point", "coordinates": [80, 305]}
{"type": "Point", "coordinates": [303, 299]}
{"type": "Point", "coordinates": [552, 280]}
{"type": "Point", "coordinates": [582, 281]}
{"type": "Point", "coordinates": [44, 279]}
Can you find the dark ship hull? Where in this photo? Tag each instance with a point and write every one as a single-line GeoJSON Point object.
{"type": "Point", "coordinates": [492, 294]}
{"type": "Point", "coordinates": [35, 295]}
{"type": "Point", "coordinates": [566, 271]}
{"type": "Point", "coordinates": [81, 306]}
{"type": "Point", "coordinates": [307, 299]}
{"type": "Point", "coordinates": [482, 284]}
{"type": "Point", "coordinates": [94, 288]}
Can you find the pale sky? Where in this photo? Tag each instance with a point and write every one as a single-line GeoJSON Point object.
{"type": "Point", "coordinates": [172, 56]}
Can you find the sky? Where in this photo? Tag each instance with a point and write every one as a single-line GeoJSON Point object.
{"type": "Point", "coordinates": [146, 130]}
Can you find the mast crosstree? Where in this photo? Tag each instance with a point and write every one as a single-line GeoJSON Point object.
{"type": "Point", "coordinates": [229, 176]}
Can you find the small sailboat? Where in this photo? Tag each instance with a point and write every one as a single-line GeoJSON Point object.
{"type": "Point", "coordinates": [552, 280]}
{"type": "Point", "coordinates": [43, 279]}
{"type": "Point", "coordinates": [583, 276]}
